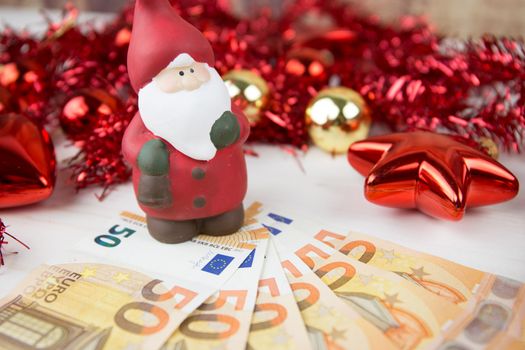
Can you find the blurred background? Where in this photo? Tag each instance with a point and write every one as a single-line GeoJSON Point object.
{"type": "Point", "coordinates": [464, 18]}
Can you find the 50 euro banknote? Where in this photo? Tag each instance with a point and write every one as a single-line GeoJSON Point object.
{"type": "Point", "coordinates": [223, 321]}
{"type": "Point", "coordinates": [276, 322]}
{"type": "Point", "coordinates": [331, 323]}
{"type": "Point", "coordinates": [409, 316]}
{"type": "Point", "coordinates": [179, 278]}
{"type": "Point", "coordinates": [492, 305]}
{"type": "Point", "coordinates": [88, 306]}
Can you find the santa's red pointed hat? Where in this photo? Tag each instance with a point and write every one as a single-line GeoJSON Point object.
{"type": "Point", "coordinates": [159, 35]}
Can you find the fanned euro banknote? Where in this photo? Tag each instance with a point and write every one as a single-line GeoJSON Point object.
{"type": "Point", "coordinates": [492, 305]}
{"type": "Point", "coordinates": [88, 306]}
{"type": "Point", "coordinates": [276, 323]}
{"type": "Point", "coordinates": [282, 282]}
{"type": "Point", "coordinates": [491, 316]}
{"type": "Point", "coordinates": [331, 323]}
{"type": "Point", "coordinates": [179, 279]}
{"type": "Point", "coordinates": [223, 321]}
{"type": "Point", "coordinates": [408, 316]}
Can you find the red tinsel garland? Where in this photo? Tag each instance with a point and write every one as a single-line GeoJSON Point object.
{"type": "Point", "coordinates": [3, 242]}
{"type": "Point", "coordinates": [2, 238]}
{"type": "Point", "coordinates": [411, 77]}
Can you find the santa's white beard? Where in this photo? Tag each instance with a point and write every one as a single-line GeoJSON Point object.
{"type": "Point", "coordinates": [185, 118]}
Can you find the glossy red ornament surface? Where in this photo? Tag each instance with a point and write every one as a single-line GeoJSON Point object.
{"type": "Point", "coordinates": [81, 112]}
{"type": "Point", "coordinates": [431, 172]}
{"type": "Point", "coordinates": [27, 162]}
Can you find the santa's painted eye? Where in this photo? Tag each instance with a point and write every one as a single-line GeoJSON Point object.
{"type": "Point", "coordinates": [181, 73]}
{"type": "Point", "coordinates": [192, 70]}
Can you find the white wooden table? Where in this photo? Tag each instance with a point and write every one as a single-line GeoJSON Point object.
{"type": "Point", "coordinates": [490, 238]}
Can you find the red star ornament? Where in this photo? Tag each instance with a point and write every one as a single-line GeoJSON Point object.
{"type": "Point", "coordinates": [431, 172]}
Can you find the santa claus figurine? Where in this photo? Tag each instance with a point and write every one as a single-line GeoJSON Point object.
{"type": "Point", "coordinates": [185, 143]}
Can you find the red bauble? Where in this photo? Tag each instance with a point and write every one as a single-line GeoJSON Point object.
{"type": "Point", "coordinates": [82, 112]}
{"type": "Point", "coordinates": [27, 162]}
{"type": "Point", "coordinates": [431, 172]}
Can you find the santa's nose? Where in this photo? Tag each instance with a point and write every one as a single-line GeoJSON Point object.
{"type": "Point", "coordinates": [191, 82]}
{"type": "Point", "coordinates": [182, 78]}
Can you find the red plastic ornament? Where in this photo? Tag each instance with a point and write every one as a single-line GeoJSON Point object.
{"type": "Point", "coordinates": [22, 90]}
{"type": "Point", "coordinates": [431, 172]}
{"type": "Point", "coordinates": [81, 112]}
{"type": "Point", "coordinates": [5, 99]}
{"type": "Point", "coordinates": [27, 162]}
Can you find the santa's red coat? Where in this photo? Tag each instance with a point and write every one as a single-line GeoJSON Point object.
{"type": "Point", "coordinates": [223, 185]}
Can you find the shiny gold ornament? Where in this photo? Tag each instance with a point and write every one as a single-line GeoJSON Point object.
{"type": "Point", "coordinates": [490, 147]}
{"type": "Point", "coordinates": [249, 90]}
{"type": "Point", "coordinates": [336, 118]}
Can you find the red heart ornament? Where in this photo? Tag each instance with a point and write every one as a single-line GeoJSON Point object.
{"type": "Point", "coordinates": [27, 162]}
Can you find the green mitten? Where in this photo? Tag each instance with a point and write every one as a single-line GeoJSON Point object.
{"type": "Point", "coordinates": [153, 158]}
{"type": "Point", "coordinates": [225, 131]}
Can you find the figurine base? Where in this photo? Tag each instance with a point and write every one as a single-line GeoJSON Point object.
{"type": "Point", "coordinates": [172, 232]}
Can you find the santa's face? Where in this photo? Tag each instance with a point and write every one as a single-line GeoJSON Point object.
{"type": "Point", "coordinates": [182, 103]}
{"type": "Point", "coordinates": [188, 78]}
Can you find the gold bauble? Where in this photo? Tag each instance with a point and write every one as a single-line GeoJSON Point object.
{"type": "Point", "coordinates": [249, 90]}
{"type": "Point", "coordinates": [490, 147]}
{"type": "Point", "coordinates": [336, 118]}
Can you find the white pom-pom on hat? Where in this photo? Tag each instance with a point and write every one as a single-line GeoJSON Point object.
{"type": "Point", "coordinates": [182, 60]}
